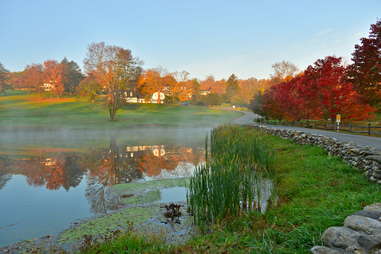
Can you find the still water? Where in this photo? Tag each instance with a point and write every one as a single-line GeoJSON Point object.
{"type": "Point", "coordinates": [50, 180]}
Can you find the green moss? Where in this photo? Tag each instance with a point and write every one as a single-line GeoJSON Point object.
{"type": "Point", "coordinates": [103, 225]}
{"type": "Point", "coordinates": [137, 187]}
{"type": "Point", "coordinates": [144, 192]}
{"type": "Point", "coordinates": [144, 198]}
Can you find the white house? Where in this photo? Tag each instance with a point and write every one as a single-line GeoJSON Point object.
{"type": "Point", "coordinates": [47, 87]}
{"type": "Point", "coordinates": [133, 96]}
{"type": "Point", "coordinates": [158, 97]}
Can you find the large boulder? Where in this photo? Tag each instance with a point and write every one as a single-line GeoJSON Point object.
{"type": "Point", "coordinates": [325, 250]}
{"type": "Point", "coordinates": [364, 224]}
{"type": "Point", "coordinates": [373, 207]}
{"type": "Point", "coordinates": [374, 214]}
{"type": "Point", "coordinates": [340, 237]}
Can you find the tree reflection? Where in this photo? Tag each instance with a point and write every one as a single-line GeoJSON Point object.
{"type": "Point", "coordinates": [55, 171]}
{"type": "Point", "coordinates": [4, 174]}
{"type": "Point", "coordinates": [103, 167]}
{"type": "Point", "coordinates": [113, 168]}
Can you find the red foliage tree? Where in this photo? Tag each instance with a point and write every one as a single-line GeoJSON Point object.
{"type": "Point", "coordinates": [365, 72]}
{"type": "Point", "coordinates": [320, 92]}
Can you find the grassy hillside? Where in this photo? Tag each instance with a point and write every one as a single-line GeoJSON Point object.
{"type": "Point", "coordinates": [36, 112]}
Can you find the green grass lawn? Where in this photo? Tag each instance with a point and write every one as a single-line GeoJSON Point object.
{"type": "Point", "coordinates": [315, 191]}
{"type": "Point", "coordinates": [35, 112]}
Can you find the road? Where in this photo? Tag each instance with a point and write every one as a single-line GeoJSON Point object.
{"type": "Point", "coordinates": [248, 119]}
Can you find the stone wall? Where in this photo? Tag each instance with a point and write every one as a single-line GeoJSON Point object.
{"type": "Point", "coordinates": [366, 159]}
{"type": "Point", "coordinates": [361, 234]}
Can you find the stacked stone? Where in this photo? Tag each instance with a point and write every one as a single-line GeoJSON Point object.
{"type": "Point", "coordinates": [361, 234]}
{"type": "Point", "coordinates": [365, 159]}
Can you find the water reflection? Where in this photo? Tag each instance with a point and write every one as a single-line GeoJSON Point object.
{"type": "Point", "coordinates": [53, 171]}
{"type": "Point", "coordinates": [45, 189]}
{"type": "Point", "coordinates": [116, 164]}
{"type": "Point", "coordinates": [102, 167]}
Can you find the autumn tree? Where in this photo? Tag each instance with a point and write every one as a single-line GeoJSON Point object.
{"type": "Point", "coordinates": [365, 72]}
{"type": "Point", "coordinates": [72, 75]}
{"type": "Point", "coordinates": [156, 81]}
{"type": "Point", "coordinates": [247, 89]}
{"type": "Point", "coordinates": [114, 68]}
{"type": "Point", "coordinates": [195, 86]}
{"type": "Point", "coordinates": [284, 69]}
{"type": "Point", "coordinates": [213, 86]}
{"type": "Point", "coordinates": [53, 74]}
{"type": "Point", "coordinates": [89, 87]}
{"type": "Point", "coordinates": [31, 77]}
{"type": "Point", "coordinates": [321, 92]}
{"type": "Point", "coordinates": [183, 88]}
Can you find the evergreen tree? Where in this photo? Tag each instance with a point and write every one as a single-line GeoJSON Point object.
{"type": "Point", "coordinates": [72, 75]}
{"type": "Point", "coordinates": [4, 75]}
{"type": "Point", "coordinates": [232, 87]}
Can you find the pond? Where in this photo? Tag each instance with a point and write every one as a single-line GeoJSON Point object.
{"type": "Point", "coordinates": [48, 180]}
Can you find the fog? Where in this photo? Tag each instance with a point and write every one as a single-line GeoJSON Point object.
{"type": "Point", "coordinates": [133, 135]}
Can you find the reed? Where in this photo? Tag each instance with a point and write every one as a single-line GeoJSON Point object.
{"type": "Point", "coordinates": [232, 179]}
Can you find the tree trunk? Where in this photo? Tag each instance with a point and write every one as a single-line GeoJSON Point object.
{"type": "Point", "coordinates": [113, 105]}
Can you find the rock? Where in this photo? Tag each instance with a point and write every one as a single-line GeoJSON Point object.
{"type": "Point", "coordinates": [370, 214]}
{"type": "Point", "coordinates": [355, 250]}
{"type": "Point", "coordinates": [374, 158]}
{"type": "Point", "coordinates": [364, 224]}
{"type": "Point", "coordinates": [373, 207]}
{"type": "Point", "coordinates": [361, 234]}
{"type": "Point", "coordinates": [370, 242]}
{"type": "Point", "coordinates": [340, 237]}
{"type": "Point", "coordinates": [326, 250]}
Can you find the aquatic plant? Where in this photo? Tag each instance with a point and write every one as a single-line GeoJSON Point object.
{"type": "Point", "coordinates": [233, 178]}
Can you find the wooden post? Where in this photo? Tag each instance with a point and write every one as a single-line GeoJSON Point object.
{"type": "Point", "coordinates": [368, 129]}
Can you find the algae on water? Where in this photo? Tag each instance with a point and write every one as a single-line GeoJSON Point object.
{"type": "Point", "coordinates": [136, 187]}
{"type": "Point", "coordinates": [105, 224]}
{"type": "Point", "coordinates": [143, 198]}
{"type": "Point", "coordinates": [143, 193]}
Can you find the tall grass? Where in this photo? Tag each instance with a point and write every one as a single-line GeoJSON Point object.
{"type": "Point", "coordinates": [232, 179]}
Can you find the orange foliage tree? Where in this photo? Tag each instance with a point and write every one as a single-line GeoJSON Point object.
{"type": "Point", "coordinates": [184, 88]}
{"type": "Point", "coordinates": [114, 68]}
{"type": "Point", "coordinates": [213, 86]}
{"type": "Point", "coordinates": [156, 81]}
{"type": "Point", "coordinates": [31, 77]}
{"type": "Point", "coordinates": [53, 74]}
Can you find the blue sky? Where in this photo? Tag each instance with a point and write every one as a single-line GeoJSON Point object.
{"type": "Point", "coordinates": [203, 37]}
